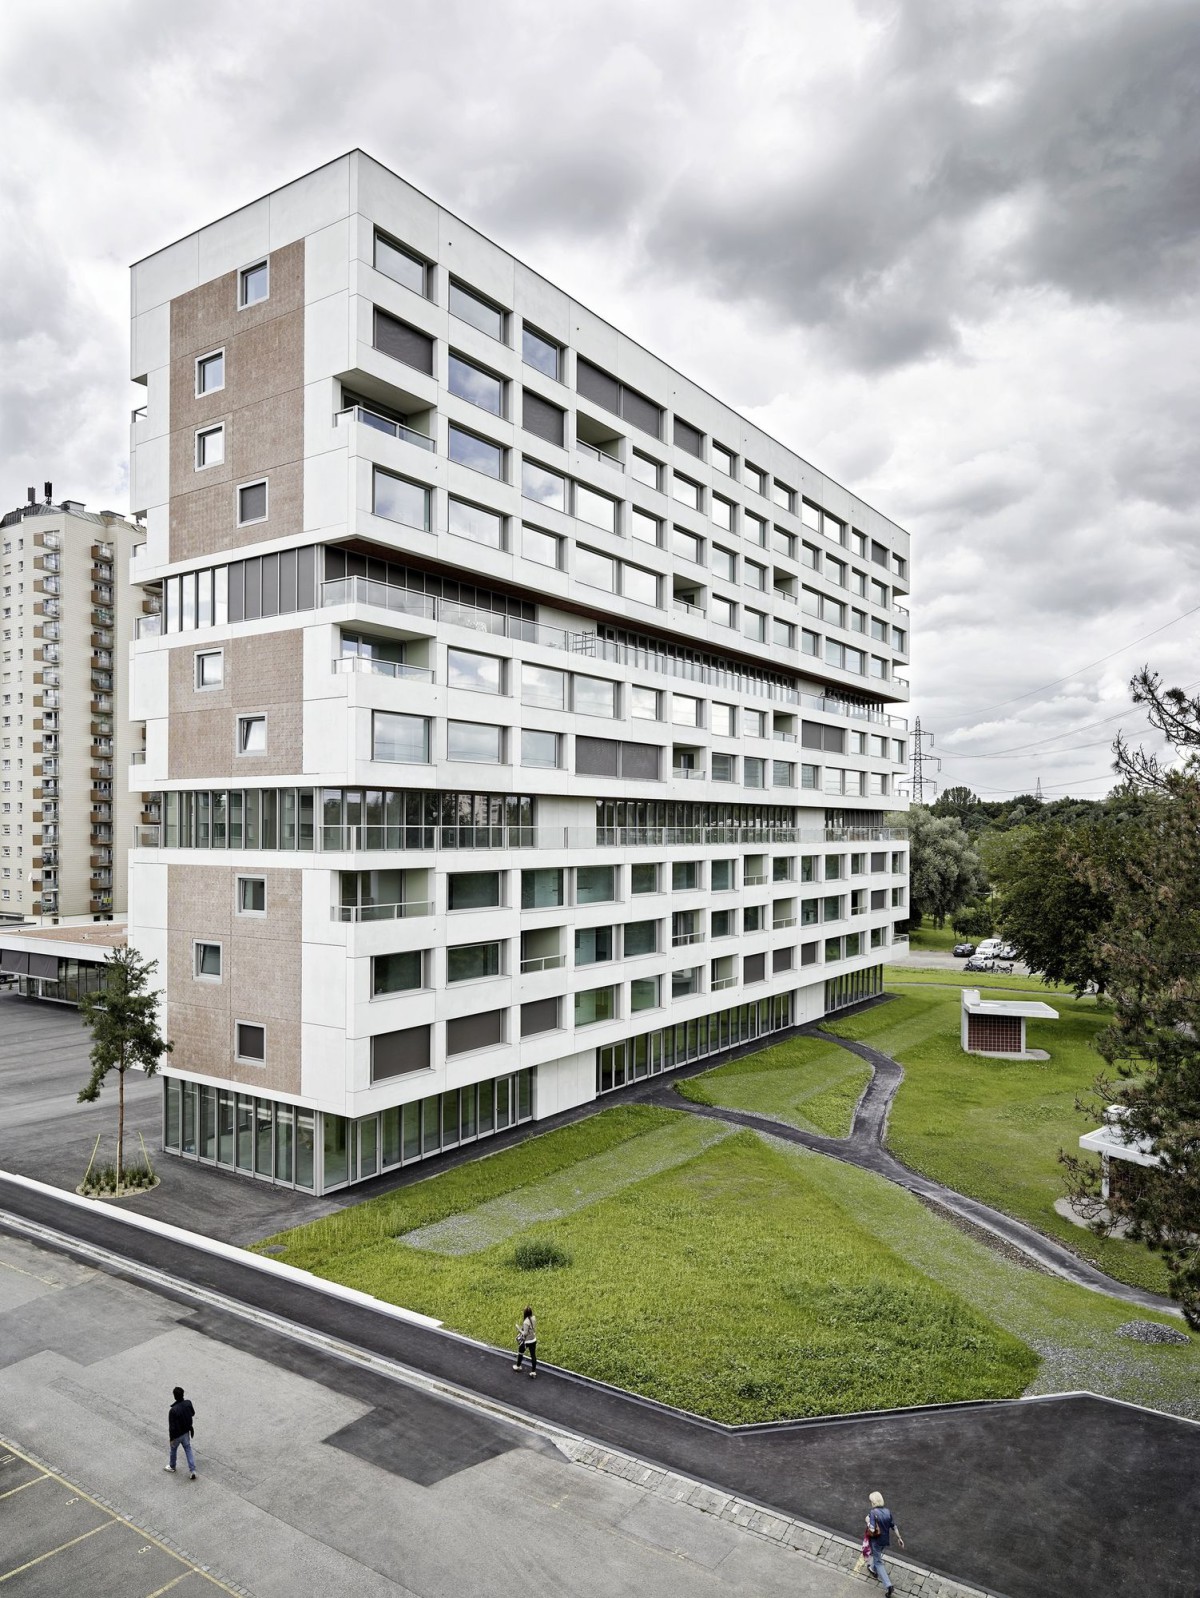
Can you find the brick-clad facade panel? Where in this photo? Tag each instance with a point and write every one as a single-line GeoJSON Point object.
{"type": "Point", "coordinates": [262, 673]}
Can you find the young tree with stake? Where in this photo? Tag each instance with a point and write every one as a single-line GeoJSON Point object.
{"type": "Point", "coordinates": [123, 1017]}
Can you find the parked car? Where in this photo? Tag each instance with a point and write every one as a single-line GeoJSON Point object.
{"type": "Point", "coordinates": [989, 948]}
{"type": "Point", "coordinates": [1008, 951]}
{"type": "Point", "coordinates": [976, 963]}
{"type": "Point", "coordinates": [963, 951]}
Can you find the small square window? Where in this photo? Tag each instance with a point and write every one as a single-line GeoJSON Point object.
{"type": "Point", "coordinates": [251, 1042]}
{"type": "Point", "coordinates": [252, 735]}
{"type": "Point", "coordinates": [206, 959]}
{"type": "Point", "coordinates": [210, 669]}
{"type": "Point", "coordinates": [252, 896]}
{"type": "Point", "coordinates": [210, 373]}
{"type": "Point", "coordinates": [254, 284]}
{"type": "Point", "coordinates": [210, 447]}
{"type": "Point", "coordinates": [252, 503]}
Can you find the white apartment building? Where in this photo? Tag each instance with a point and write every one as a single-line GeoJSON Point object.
{"type": "Point", "coordinates": [67, 615]}
{"type": "Point", "coordinates": [523, 720]}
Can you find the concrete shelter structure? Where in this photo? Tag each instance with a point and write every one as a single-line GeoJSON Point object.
{"type": "Point", "coordinates": [996, 1027]}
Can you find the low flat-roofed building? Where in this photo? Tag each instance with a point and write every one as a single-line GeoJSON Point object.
{"type": "Point", "coordinates": [996, 1027]}
{"type": "Point", "coordinates": [58, 963]}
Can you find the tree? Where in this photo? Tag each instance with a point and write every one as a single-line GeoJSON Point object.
{"type": "Point", "coordinates": [974, 920]}
{"type": "Point", "coordinates": [958, 801]}
{"type": "Point", "coordinates": [123, 1017]}
{"type": "Point", "coordinates": [944, 869]}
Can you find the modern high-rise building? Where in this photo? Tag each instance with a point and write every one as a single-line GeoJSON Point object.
{"type": "Point", "coordinates": [523, 719]}
{"type": "Point", "coordinates": [67, 614]}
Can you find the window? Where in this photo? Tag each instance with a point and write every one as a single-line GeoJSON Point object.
{"type": "Point", "coordinates": [595, 884]}
{"type": "Point", "coordinates": [684, 983]}
{"type": "Point", "coordinates": [210, 447]}
{"type": "Point", "coordinates": [470, 962]}
{"type": "Point", "coordinates": [468, 449]}
{"type": "Point", "coordinates": [645, 527]}
{"type": "Point", "coordinates": [471, 1032]}
{"type": "Point", "coordinates": [784, 543]}
{"type": "Point", "coordinates": [401, 265]}
{"type": "Point", "coordinates": [546, 487]}
{"type": "Point", "coordinates": [639, 937]}
{"type": "Point", "coordinates": [643, 993]}
{"type": "Point", "coordinates": [473, 890]}
{"type": "Point", "coordinates": [542, 889]}
{"type": "Point", "coordinates": [722, 611]}
{"type": "Point", "coordinates": [539, 1015]}
{"type": "Point", "coordinates": [645, 469]}
{"type": "Point", "coordinates": [723, 563]}
{"type": "Point", "coordinates": [471, 307]}
{"type": "Point", "coordinates": [754, 575]}
{"type": "Point", "coordinates": [724, 767]}
{"type": "Point", "coordinates": [722, 512]}
{"type": "Point", "coordinates": [594, 696]}
{"type": "Point", "coordinates": [252, 735]}
{"type": "Point", "coordinates": [542, 419]}
{"type": "Point", "coordinates": [783, 774]}
{"type": "Point", "coordinates": [540, 749]}
{"type": "Point", "coordinates": [722, 459]}
{"type": "Point", "coordinates": [210, 669]}
{"type": "Point", "coordinates": [400, 501]}
{"type": "Point", "coordinates": [210, 373]}
{"type": "Point", "coordinates": [543, 685]}
{"type": "Point", "coordinates": [595, 509]}
{"type": "Point", "coordinates": [685, 711]}
{"type": "Point", "coordinates": [688, 438]}
{"type": "Point", "coordinates": [754, 625]}
{"type": "Point", "coordinates": [603, 390]}
{"type": "Point", "coordinates": [596, 570]}
{"type": "Point", "coordinates": [721, 925]}
{"type": "Point", "coordinates": [754, 772]}
{"type": "Point", "coordinates": [754, 478]}
{"type": "Point", "coordinates": [753, 918]}
{"type": "Point", "coordinates": [593, 945]}
{"type": "Point", "coordinates": [404, 739]}
{"type": "Point", "coordinates": [401, 342]}
{"type": "Point", "coordinates": [782, 495]}
{"type": "Point", "coordinates": [398, 1053]}
{"type": "Point", "coordinates": [544, 548]}
{"type": "Point", "coordinates": [756, 529]}
{"type": "Point", "coordinates": [723, 719]}
{"type": "Point", "coordinates": [252, 896]}
{"type": "Point", "coordinates": [474, 522]}
{"type": "Point", "coordinates": [251, 1042]}
{"type": "Point", "coordinates": [397, 973]}
{"type": "Point", "coordinates": [475, 740]}
{"type": "Point", "coordinates": [596, 1004]}
{"type": "Point", "coordinates": [643, 878]}
{"type": "Point", "coordinates": [206, 962]}
{"type": "Point", "coordinates": [252, 503]}
{"type": "Point", "coordinates": [645, 704]}
{"type": "Point", "coordinates": [541, 353]}
{"type": "Point", "coordinates": [723, 876]}
{"type": "Point", "coordinates": [639, 584]}
{"type": "Point", "coordinates": [254, 284]}
{"type": "Point", "coordinates": [475, 385]}
{"type": "Point", "coordinates": [685, 876]}
{"type": "Point", "coordinates": [783, 634]}
{"type": "Point", "coordinates": [685, 491]}
{"type": "Point", "coordinates": [754, 968]}
{"type": "Point", "coordinates": [482, 674]}
{"type": "Point", "coordinates": [687, 546]}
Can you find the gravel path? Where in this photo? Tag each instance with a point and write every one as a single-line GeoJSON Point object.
{"type": "Point", "coordinates": [865, 1148]}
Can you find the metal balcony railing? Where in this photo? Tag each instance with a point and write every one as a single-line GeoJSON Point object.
{"type": "Point", "coordinates": [382, 668]}
{"type": "Point", "coordinates": [384, 424]}
{"type": "Point", "coordinates": [718, 983]}
{"type": "Point", "coordinates": [383, 912]}
{"type": "Point", "coordinates": [543, 962]}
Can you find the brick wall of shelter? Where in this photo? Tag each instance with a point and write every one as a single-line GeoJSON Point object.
{"type": "Point", "coordinates": [263, 672]}
{"type": "Point", "coordinates": [261, 405]}
{"type": "Point", "coordinates": [260, 975]}
{"type": "Point", "coordinates": [994, 1034]}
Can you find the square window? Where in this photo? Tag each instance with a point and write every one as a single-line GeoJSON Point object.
{"type": "Point", "coordinates": [206, 962]}
{"type": "Point", "coordinates": [643, 878]}
{"type": "Point", "coordinates": [210, 669]}
{"type": "Point", "coordinates": [210, 447]}
{"type": "Point", "coordinates": [643, 993]}
{"type": "Point", "coordinates": [539, 749]}
{"type": "Point", "coordinates": [251, 1042]}
{"type": "Point", "coordinates": [645, 704]}
{"type": "Point", "coordinates": [252, 896]}
{"type": "Point", "coordinates": [254, 284]}
{"type": "Point", "coordinates": [210, 373]}
{"type": "Point", "coordinates": [252, 735]}
{"type": "Point", "coordinates": [252, 503]}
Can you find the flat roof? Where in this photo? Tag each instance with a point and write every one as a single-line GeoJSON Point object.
{"type": "Point", "coordinates": [1109, 1139]}
{"type": "Point", "coordinates": [1031, 1009]}
{"type": "Point", "coordinates": [101, 935]}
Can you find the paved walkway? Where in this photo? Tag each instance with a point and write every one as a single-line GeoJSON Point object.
{"type": "Point", "coordinates": [987, 1493]}
{"type": "Point", "coordinates": [865, 1148]}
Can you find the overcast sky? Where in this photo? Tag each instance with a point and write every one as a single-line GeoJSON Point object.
{"type": "Point", "coordinates": [945, 250]}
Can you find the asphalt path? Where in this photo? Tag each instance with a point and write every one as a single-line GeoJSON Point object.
{"type": "Point", "coordinates": [1029, 1498]}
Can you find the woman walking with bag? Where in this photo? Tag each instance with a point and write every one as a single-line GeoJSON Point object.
{"type": "Point", "coordinates": [527, 1341]}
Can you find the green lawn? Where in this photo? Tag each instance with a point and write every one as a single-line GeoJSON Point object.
{"type": "Point", "coordinates": [904, 976]}
{"type": "Point", "coordinates": [735, 1284]}
{"type": "Point", "coordinates": [805, 1082]}
{"type": "Point", "coordinates": [928, 936]}
{"type": "Point", "coordinates": [993, 1128]}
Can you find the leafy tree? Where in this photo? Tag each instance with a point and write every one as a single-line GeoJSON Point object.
{"type": "Point", "coordinates": [958, 801]}
{"type": "Point", "coordinates": [944, 869]}
{"type": "Point", "coordinates": [123, 1017]}
{"type": "Point", "coordinates": [974, 920]}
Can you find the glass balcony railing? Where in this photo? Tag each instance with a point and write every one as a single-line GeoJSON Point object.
{"type": "Point", "coordinates": [384, 424]}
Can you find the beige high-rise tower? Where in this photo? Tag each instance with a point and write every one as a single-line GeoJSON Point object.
{"type": "Point", "coordinates": [67, 616]}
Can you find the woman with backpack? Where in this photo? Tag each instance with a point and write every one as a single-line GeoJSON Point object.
{"type": "Point", "coordinates": [527, 1341]}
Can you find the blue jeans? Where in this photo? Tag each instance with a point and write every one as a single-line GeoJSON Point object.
{"type": "Point", "coordinates": [186, 1441]}
{"type": "Point", "coordinates": [876, 1564]}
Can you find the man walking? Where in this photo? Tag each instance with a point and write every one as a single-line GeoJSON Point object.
{"type": "Point", "coordinates": [180, 1429]}
{"type": "Point", "coordinates": [881, 1523]}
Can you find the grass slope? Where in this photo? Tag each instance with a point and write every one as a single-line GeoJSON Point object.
{"type": "Point", "coordinates": [993, 1128]}
{"type": "Point", "coordinates": [804, 1082]}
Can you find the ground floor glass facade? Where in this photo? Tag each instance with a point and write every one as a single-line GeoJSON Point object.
{"type": "Point", "coordinates": [853, 988]}
{"type": "Point", "coordinates": [618, 1064]}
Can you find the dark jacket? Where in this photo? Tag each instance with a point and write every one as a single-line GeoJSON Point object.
{"type": "Point", "coordinates": [179, 1418]}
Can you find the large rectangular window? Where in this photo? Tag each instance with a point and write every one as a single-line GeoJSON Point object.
{"type": "Point", "coordinates": [542, 419]}
{"type": "Point", "coordinates": [474, 522]}
{"type": "Point", "coordinates": [402, 342]}
{"type": "Point", "coordinates": [593, 945]}
{"type": "Point", "coordinates": [543, 486]}
{"type": "Point", "coordinates": [594, 696]}
{"type": "Point", "coordinates": [470, 1032]}
{"type": "Point", "coordinates": [468, 449]}
{"type": "Point", "coordinates": [482, 313]}
{"type": "Point", "coordinates": [595, 509]}
{"type": "Point", "coordinates": [394, 261]}
{"type": "Point", "coordinates": [475, 741]}
{"type": "Point", "coordinates": [400, 738]}
{"type": "Point", "coordinates": [542, 888]}
{"type": "Point", "coordinates": [397, 973]}
{"type": "Point", "coordinates": [595, 884]}
{"type": "Point", "coordinates": [482, 674]}
{"type": "Point", "coordinates": [473, 890]}
{"type": "Point", "coordinates": [543, 686]}
{"type": "Point", "coordinates": [471, 962]}
{"type": "Point", "coordinates": [398, 1053]}
{"type": "Point", "coordinates": [596, 1004]}
{"type": "Point", "coordinates": [400, 501]}
{"type": "Point", "coordinates": [476, 385]}
{"type": "Point", "coordinates": [543, 354]}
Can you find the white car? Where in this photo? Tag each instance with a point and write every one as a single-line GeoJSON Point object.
{"type": "Point", "coordinates": [989, 949]}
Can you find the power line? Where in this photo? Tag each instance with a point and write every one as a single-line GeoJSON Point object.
{"type": "Point", "coordinates": [1036, 743]}
{"type": "Point", "coordinates": [1079, 670]}
{"type": "Point", "coordinates": [921, 759]}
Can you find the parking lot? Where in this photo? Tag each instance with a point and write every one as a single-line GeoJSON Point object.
{"type": "Point", "coordinates": [56, 1539]}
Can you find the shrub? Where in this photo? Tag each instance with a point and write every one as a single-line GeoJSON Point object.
{"type": "Point", "coordinates": [540, 1254]}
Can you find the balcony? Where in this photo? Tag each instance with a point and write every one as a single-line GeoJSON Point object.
{"type": "Point", "coordinates": [384, 424]}
{"type": "Point", "coordinates": [543, 962]}
{"type": "Point", "coordinates": [596, 454]}
{"type": "Point", "coordinates": [382, 912]}
{"type": "Point", "coordinates": [102, 550]}
{"type": "Point", "coordinates": [382, 668]}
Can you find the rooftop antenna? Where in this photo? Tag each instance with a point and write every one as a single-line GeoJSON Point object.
{"type": "Point", "coordinates": [48, 489]}
{"type": "Point", "coordinates": [32, 494]}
